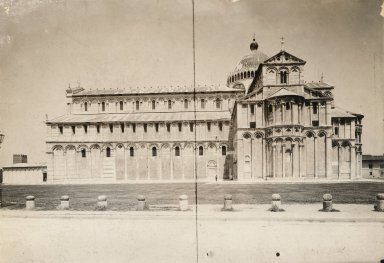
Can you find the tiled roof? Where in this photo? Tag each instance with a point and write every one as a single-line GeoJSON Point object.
{"type": "Point", "coordinates": [283, 92]}
{"type": "Point", "coordinates": [156, 90]}
{"type": "Point", "coordinates": [318, 85]}
{"type": "Point", "coordinates": [143, 117]}
{"type": "Point", "coordinates": [25, 165]}
{"type": "Point", "coordinates": [340, 113]}
{"type": "Point", "coordinates": [373, 157]}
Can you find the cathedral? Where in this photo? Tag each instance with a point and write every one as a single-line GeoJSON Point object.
{"type": "Point", "coordinates": [266, 123]}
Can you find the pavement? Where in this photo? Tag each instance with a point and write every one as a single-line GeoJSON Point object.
{"type": "Point", "coordinates": [248, 234]}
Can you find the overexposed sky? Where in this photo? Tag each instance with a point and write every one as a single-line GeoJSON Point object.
{"type": "Point", "coordinates": [47, 44]}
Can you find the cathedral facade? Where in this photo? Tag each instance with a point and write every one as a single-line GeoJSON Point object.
{"type": "Point", "coordinates": [265, 123]}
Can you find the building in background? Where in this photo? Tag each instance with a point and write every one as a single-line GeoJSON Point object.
{"type": "Point", "coordinates": [373, 166]}
{"type": "Point", "coordinates": [266, 123]}
{"type": "Point", "coordinates": [23, 173]}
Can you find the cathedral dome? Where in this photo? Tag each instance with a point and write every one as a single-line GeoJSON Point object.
{"type": "Point", "coordinates": [248, 65]}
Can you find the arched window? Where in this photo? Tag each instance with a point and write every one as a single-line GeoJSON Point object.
{"type": "Point", "coordinates": [108, 152]}
{"type": "Point", "coordinates": [218, 103]}
{"type": "Point", "coordinates": [185, 104]}
{"type": "Point", "coordinates": [121, 105]}
{"type": "Point", "coordinates": [83, 153]}
{"type": "Point", "coordinates": [223, 150]}
{"type": "Point", "coordinates": [85, 106]}
{"type": "Point", "coordinates": [283, 76]}
{"type": "Point", "coordinates": [270, 108]}
{"type": "Point", "coordinates": [153, 105]}
{"type": "Point", "coordinates": [248, 74]}
{"type": "Point", "coordinates": [202, 103]}
{"type": "Point", "coordinates": [201, 151]}
{"type": "Point", "coordinates": [169, 104]}
{"type": "Point", "coordinates": [103, 106]}
{"type": "Point", "coordinates": [137, 105]}
{"type": "Point", "coordinates": [177, 151]}
{"type": "Point", "coordinates": [154, 151]}
{"type": "Point", "coordinates": [241, 75]}
{"type": "Point", "coordinates": [252, 74]}
{"type": "Point", "coordinates": [131, 151]}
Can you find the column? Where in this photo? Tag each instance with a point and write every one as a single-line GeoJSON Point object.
{"type": "Point", "coordinates": [293, 156]}
{"type": "Point", "coordinates": [299, 114]}
{"type": "Point", "coordinates": [315, 155]}
{"type": "Point", "coordinates": [262, 115]}
{"type": "Point", "coordinates": [171, 160]}
{"type": "Point", "coordinates": [353, 162]}
{"type": "Point", "coordinates": [264, 158]}
{"type": "Point", "coordinates": [148, 162]}
{"type": "Point", "coordinates": [274, 159]}
{"type": "Point", "coordinates": [338, 161]}
{"type": "Point", "coordinates": [125, 164]}
{"type": "Point", "coordinates": [310, 114]}
{"type": "Point", "coordinates": [338, 128]}
{"type": "Point", "coordinates": [291, 104]}
{"type": "Point", "coordinates": [282, 113]}
{"type": "Point", "coordinates": [274, 114]}
{"type": "Point", "coordinates": [303, 161]}
{"type": "Point", "coordinates": [328, 157]}
{"type": "Point", "coordinates": [282, 158]}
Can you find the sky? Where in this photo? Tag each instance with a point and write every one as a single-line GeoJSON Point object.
{"type": "Point", "coordinates": [47, 45]}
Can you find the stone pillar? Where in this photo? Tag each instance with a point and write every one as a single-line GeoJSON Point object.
{"type": "Point", "coordinates": [338, 128]}
{"type": "Point", "coordinates": [227, 202]}
{"type": "Point", "coordinates": [102, 202]}
{"type": "Point", "coordinates": [148, 152]}
{"type": "Point", "coordinates": [379, 207]}
{"type": "Point", "coordinates": [291, 104]}
{"type": "Point", "coordinates": [304, 161]}
{"type": "Point", "coordinates": [30, 202]}
{"type": "Point", "coordinates": [183, 203]}
{"type": "Point", "coordinates": [293, 159]}
{"type": "Point", "coordinates": [141, 204]}
{"type": "Point", "coordinates": [300, 145]}
{"type": "Point", "coordinates": [283, 113]}
{"type": "Point", "coordinates": [327, 203]}
{"type": "Point", "coordinates": [274, 114]}
{"type": "Point", "coordinates": [282, 158]}
{"type": "Point", "coordinates": [171, 160]}
{"type": "Point", "coordinates": [64, 202]}
{"type": "Point", "coordinates": [274, 159]}
{"type": "Point", "coordinates": [310, 114]}
{"type": "Point", "coordinates": [276, 203]}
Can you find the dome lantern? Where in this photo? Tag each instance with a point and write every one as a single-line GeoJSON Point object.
{"type": "Point", "coordinates": [254, 45]}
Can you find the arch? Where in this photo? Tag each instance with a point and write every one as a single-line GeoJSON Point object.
{"type": "Point", "coordinates": [211, 145]}
{"type": "Point", "coordinates": [288, 139]}
{"type": "Point", "coordinates": [57, 148]}
{"type": "Point", "coordinates": [70, 147]}
{"type": "Point", "coordinates": [119, 145]}
{"type": "Point", "coordinates": [247, 135]}
{"type": "Point", "coordinates": [106, 145]}
{"type": "Point", "coordinates": [94, 146]}
{"type": "Point", "coordinates": [335, 144]}
{"type": "Point", "coordinates": [322, 133]}
{"type": "Point", "coordinates": [82, 146]}
{"type": "Point", "coordinates": [258, 135]}
{"type": "Point", "coordinates": [310, 134]}
{"type": "Point", "coordinates": [295, 69]}
{"type": "Point", "coordinates": [346, 144]}
{"type": "Point", "coordinates": [279, 140]}
{"type": "Point", "coordinates": [211, 164]}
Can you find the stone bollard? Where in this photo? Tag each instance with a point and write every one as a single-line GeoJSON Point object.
{"type": "Point", "coordinates": [141, 205]}
{"type": "Point", "coordinates": [30, 202]}
{"type": "Point", "coordinates": [276, 203]}
{"type": "Point", "coordinates": [102, 202]}
{"type": "Point", "coordinates": [327, 203]}
{"type": "Point", "coordinates": [64, 202]}
{"type": "Point", "coordinates": [183, 202]}
{"type": "Point", "coordinates": [227, 202]}
{"type": "Point", "coordinates": [379, 202]}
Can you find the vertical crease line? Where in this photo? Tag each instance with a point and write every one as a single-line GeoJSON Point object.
{"type": "Point", "coordinates": [195, 128]}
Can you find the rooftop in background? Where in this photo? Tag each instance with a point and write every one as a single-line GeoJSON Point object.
{"type": "Point", "coordinates": [25, 165]}
{"type": "Point", "coordinates": [318, 85]}
{"type": "Point", "coordinates": [78, 91]}
{"type": "Point", "coordinates": [341, 113]}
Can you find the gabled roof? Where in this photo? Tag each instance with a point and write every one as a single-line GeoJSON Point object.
{"type": "Point", "coordinates": [318, 85]}
{"type": "Point", "coordinates": [284, 57]}
{"type": "Point", "coordinates": [337, 112]}
{"type": "Point", "coordinates": [143, 117]}
{"type": "Point", "coordinates": [283, 92]}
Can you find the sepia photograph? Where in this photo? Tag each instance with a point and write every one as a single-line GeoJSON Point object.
{"type": "Point", "coordinates": [191, 131]}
